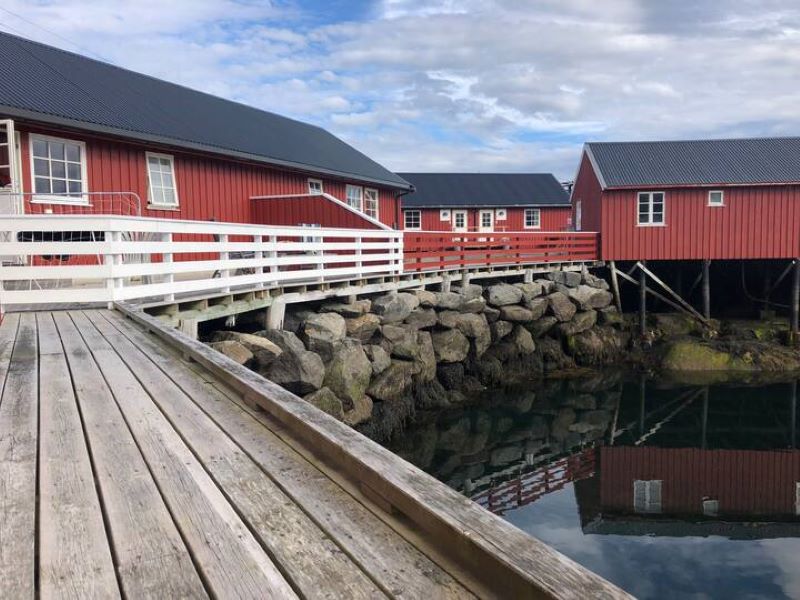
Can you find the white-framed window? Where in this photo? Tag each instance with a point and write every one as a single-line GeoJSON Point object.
{"type": "Point", "coordinates": [315, 186]}
{"type": "Point", "coordinates": [444, 215]}
{"type": "Point", "coordinates": [58, 170]}
{"type": "Point", "coordinates": [533, 218]}
{"type": "Point", "coordinates": [460, 220]}
{"type": "Point", "coordinates": [647, 496]}
{"type": "Point", "coordinates": [355, 196]}
{"type": "Point", "coordinates": [501, 214]}
{"type": "Point", "coordinates": [412, 219]}
{"type": "Point", "coordinates": [650, 208]}
{"type": "Point", "coordinates": [486, 219]}
{"type": "Point", "coordinates": [162, 189]}
{"type": "Point", "coordinates": [716, 198]}
{"type": "Point", "coordinates": [371, 202]}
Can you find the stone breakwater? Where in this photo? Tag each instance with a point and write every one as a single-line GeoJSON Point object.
{"type": "Point", "coordinates": [373, 362]}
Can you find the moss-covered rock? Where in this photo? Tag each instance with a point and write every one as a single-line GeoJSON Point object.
{"type": "Point", "coordinates": [691, 355]}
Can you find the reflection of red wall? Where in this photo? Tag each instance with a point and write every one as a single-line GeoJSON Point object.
{"type": "Point", "coordinates": [208, 186]}
{"type": "Point", "coordinates": [554, 218]}
{"type": "Point", "coordinates": [751, 482]}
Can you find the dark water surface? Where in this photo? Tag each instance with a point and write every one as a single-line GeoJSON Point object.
{"type": "Point", "coordinates": [669, 490]}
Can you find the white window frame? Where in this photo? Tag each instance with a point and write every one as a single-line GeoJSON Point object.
{"type": "Point", "coordinates": [150, 194]}
{"type": "Point", "coordinates": [406, 213]}
{"type": "Point", "coordinates": [460, 213]}
{"type": "Point", "coordinates": [445, 214]}
{"type": "Point", "coordinates": [721, 198]}
{"type": "Point", "coordinates": [537, 212]}
{"type": "Point", "coordinates": [360, 189]}
{"type": "Point", "coordinates": [501, 214]}
{"type": "Point", "coordinates": [83, 198]}
{"type": "Point", "coordinates": [311, 190]}
{"type": "Point", "coordinates": [364, 194]}
{"type": "Point", "coordinates": [486, 228]}
{"type": "Point", "coordinates": [650, 203]}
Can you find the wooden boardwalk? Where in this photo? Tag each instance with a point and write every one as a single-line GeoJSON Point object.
{"type": "Point", "coordinates": [126, 470]}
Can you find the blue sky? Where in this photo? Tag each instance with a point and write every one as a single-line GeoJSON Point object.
{"type": "Point", "coordinates": [461, 85]}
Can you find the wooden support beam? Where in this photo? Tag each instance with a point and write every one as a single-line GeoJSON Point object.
{"type": "Point", "coordinates": [615, 285]}
{"type": "Point", "coordinates": [795, 299]}
{"type": "Point", "coordinates": [707, 289]}
{"type": "Point", "coordinates": [793, 413]}
{"type": "Point", "coordinates": [642, 303]}
{"type": "Point", "coordinates": [653, 293]}
{"type": "Point", "coordinates": [675, 295]}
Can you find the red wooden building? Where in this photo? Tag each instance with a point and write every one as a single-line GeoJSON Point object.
{"type": "Point", "coordinates": [683, 200]}
{"type": "Point", "coordinates": [485, 202]}
{"type": "Point", "coordinates": [78, 135]}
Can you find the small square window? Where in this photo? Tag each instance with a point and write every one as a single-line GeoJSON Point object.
{"type": "Point", "coordinates": [500, 214]}
{"type": "Point", "coordinates": [533, 218]}
{"type": "Point", "coordinates": [412, 220]}
{"type": "Point", "coordinates": [444, 215]}
{"type": "Point", "coordinates": [161, 181]}
{"type": "Point", "coordinates": [716, 198]}
{"type": "Point", "coordinates": [315, 187]}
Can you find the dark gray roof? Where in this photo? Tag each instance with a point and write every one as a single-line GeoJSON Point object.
{"type": "Point", "coordinates": [483, 189]}
{"type": "Point", "coordinates": [46, 84]}
{"type": "Point", "coordinates": [697, 162]}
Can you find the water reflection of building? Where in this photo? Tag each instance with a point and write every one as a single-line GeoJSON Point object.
{"type": "Point", "coordinates": [691, 491]}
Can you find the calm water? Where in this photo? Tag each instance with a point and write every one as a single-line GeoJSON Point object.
{"type": "Point", "coordinates": [668, 490]}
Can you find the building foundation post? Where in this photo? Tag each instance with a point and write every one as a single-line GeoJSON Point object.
{"type": "Point", "coordinates": [642, 303]}
{"type": "Point", "coordinates": [707, 289]}
{"type": "Point", "coordinates": [276, 313]}
{"type": "Point", "coordinates": [795, 300]}
{"type": "Point", "coordinates": [615, 285]}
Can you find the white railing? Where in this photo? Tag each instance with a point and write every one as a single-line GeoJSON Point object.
{"type": "Point", "coordinates": [65, 259]}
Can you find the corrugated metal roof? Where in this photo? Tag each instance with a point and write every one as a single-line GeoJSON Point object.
{"type": "Point", "coordinates": [484, 189]}
{"type": "Point", "coordinates": [697, 162]}
{"type": "Point", "coordinates": [50, 85]}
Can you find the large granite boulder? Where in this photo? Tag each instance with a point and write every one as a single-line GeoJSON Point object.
{"type": "Point", "coordinates": [379, 358]}
{"type": "Point", "coordinates": [515, 314]}
{"type": "Point", "coordinates": [491, 313]}
{"type": "Point", "coordinates": [361, 411]}
{"type": "Point", "coordinates": [503, 294]}
{"type": "Point", "coordinates": [394, 308]}
{"type": "Point", "coordinates": [594, 281]}
{"type": "Point", "coordinates": [580, 322]}
{"type": "Point", "coordinates": [610, 316]}
{"type": "Point", "coordinates": [400, 341]}
{"type": "Point", "coordinates": [299, 372]}
{"type": "Point", "coordinates": [233, 350]}
{"type": "Point", "coordinates": [469, 291]}
{"type": "Point", "coordinates": [474, 305]}
{"type": "Point", "coordinates": [426, 299]}
{"type": "Point", "coordinates": [450, 345]}
{"type": "Point", "coordinates": [325, 400]}
{"type": "Point", "coordinates": [323, 333]}
{"type": "Point", "coordinates": [500, 329]}
{"type": "Point", "coordinates": [285, 340]}
{"type": "Point", "coordinates": [252, 342]}
{"type": "Point", "coordinates": [522, 340]}
{"type": "Point", "coordinates": [348, 309]}
{"type": "Point", "coordinates": [349, 372]}
{"type": "Point", "coordinates": [560, 306]}
{"type": "Point", "coordinates": [541, 326]}
{"type": "Point", "coordinates": [587, 297]}
{"type": "Point", "coordinates": [537, 306]}
{"type": "Point", "coordinates": [422, 318]}
{"type": "Point", "coordinates": [567, 278]}
{"type": "Point", "coordinates": [362, 327]}
{"type": "Point", "coordinates": [530, 290]}
{"type": "Point", "coordinates": [393, 383]}
{"type": "Point", "coordinates": [426, 357]}
{"type": "Point", "coordinates": [449, 300]}
{"type": "Point", "coordinates": [477, 329]}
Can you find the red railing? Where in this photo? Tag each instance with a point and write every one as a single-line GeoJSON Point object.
{"type": "Point", "coordinates": [436, 250]}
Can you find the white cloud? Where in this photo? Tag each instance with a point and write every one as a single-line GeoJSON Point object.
{"type": "Point", "coordinates": [470, 84]}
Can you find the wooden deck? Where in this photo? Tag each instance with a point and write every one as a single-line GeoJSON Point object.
{"type": "Point", "coordinates": [126, 470]}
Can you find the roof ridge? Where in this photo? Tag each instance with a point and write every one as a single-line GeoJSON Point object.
{"type": "Point", "coordinates": [698, 140]}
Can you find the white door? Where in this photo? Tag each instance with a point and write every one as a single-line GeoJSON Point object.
{"type": "Point", "coordinates": [10, 187]}
{"type": "Point", "coordinates": [459, 220]}
{"type": "Point", "coordinates": [486, 220]}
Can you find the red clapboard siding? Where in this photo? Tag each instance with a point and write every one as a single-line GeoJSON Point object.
{"type": "Point", "coordinates": [553, 218]}
{"type": "Point", "coordinates": [209, 187]}
{"type": "Point", "coordinates": [587, 191]}
{"type": "Point", "coordinates": [746, 482]}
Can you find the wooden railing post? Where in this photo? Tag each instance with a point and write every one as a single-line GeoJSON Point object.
{"type": "Point", "coordinates": [224, 273]}
{"type": "Point", "coordinates": [359, 261]}
{"type": "Point", "coordinates": [167, 259]}
{"type": "Point", "coordinates": [273, 256]}
{"type": "Point", "coordinates": [259, 255]}
{"type": "Point", "coordinates": [110, 259]}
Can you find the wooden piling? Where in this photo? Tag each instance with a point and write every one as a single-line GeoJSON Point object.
{"type": "Point", "coordinates": [795, 299]}
{"type": "Point", "coordinates": [706, 289]}
{"type": "Point", "coordinates": [615, 285]}
{"type": "Point", "coordinates": [642, 303]}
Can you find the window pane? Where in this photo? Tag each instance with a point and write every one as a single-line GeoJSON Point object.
{"type": "Point", "coordinates": [42, 185]}
{"type": "Point", "coordinates": [59, 186]}
{"type": "Point", "coordinates": [56, 150]}
{"type": "Point", "coordinates": [40, 148]}
{"type": "Point", "coordinates": [73, 153]}
{"type": "Point", "coordinates": [152, 162]}
{"type": "Point", "coordinates": [73, 171]}
{"type": "Point", "coordinates": [169, 197]}
{"type": "Point", "coordinates": [155, 179]}
{"type": "Point", "coordinates": [41, 167]}
{"type": "Point", "coordinates": [166, 180]}
{"type": "Point", "coordinates": [75, 187]}
{"type": "Point", "coordinates": [58, 169]}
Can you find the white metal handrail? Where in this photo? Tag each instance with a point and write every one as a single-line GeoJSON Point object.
{"type": "Point", "coordinates": [106, 258]}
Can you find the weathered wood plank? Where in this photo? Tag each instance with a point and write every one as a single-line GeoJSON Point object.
{"type": "Point", "coordinates": [391, 561]}
{"type": "Point", "coordinates": [74, 554]}
{"type": "Point", "coordinates": [306, 554]}
{"type": "Point", "coordinates": [229, 557]}
{"type": "Point", "coordinates": [151, 558]}
{"type": "Point", "coordinates": [18, 429]}
{"type": "Point", "coordinates": [510, 561]}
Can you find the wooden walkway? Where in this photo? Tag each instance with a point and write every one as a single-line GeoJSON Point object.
{"type": "Point", "coordinates": [126, 470]}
